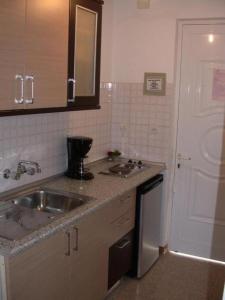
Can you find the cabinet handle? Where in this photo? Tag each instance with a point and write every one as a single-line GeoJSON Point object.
{"type": "Point", "coordinates": [76, 232]}
{"type": "Point", "coordinates": [74, 85]}
{"type": "Point", "coordinates": [31, 79]}
{"type": "Point", "coordinates": [124, 244]}
{"type": "Point", "coordinates": [68, 245]}
{"type": "Point", "coordinates": [20, 100]}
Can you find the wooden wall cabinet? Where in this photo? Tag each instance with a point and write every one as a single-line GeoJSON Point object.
{"type": "Point", "coordinates": [33, 54]}
{"type": "Point", "coordinates": [49, 55]}
{"type": "Point", "coordinates": [73, 263]}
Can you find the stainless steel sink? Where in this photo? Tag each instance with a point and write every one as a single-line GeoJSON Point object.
{"type": "Point", "coordinates": [51, 201]}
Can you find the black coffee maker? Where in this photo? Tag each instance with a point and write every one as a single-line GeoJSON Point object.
{"type": "Point", "coordinates": [78, 147]}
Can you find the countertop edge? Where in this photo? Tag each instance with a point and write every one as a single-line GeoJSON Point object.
{"type": "Point", "coordinates": [14, 247]}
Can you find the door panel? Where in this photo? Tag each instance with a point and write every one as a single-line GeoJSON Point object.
{"type": "Point", "coordinates": [46, 52]}
{"type": "Point", "coordinates": [12, 26]}
{"type": "Point", "coordinates": [41, 272]}
{"type": "Point", "coordinates": [89, 258]}
{"type": "Point", "coordinates": [198, 212]}
{"type": "Point", "coordinates": [84, 53]}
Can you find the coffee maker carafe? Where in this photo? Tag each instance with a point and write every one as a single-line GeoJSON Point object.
{"type": "Point", "coordinates": [78, 147]}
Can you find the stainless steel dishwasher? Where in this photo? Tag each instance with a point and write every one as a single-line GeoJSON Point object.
{"type": "Point", "coordinates": [148, 219]}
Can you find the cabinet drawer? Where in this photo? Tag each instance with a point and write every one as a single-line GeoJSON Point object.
{"type": "Point", "coordinates": [124, 223]}
{"type": "Point", "coordinates": [122, 204]}
{"type": "Point", "coordinates": [120, 258]}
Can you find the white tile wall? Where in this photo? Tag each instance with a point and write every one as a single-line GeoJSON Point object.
{"type": "Point", "coordinates": [42, 138]}
{"type": "Point", "coordinates": [142, 125]}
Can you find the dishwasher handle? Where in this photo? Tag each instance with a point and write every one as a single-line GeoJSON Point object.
{"type": "Point", "coordinates": [150, 184]}
{"type": "Point", "coordinates": [123, 244]}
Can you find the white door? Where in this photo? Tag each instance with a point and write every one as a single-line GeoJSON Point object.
{"type": "Point", "coordinates": [198, 222]}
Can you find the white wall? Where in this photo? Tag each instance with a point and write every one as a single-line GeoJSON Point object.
{"type": "Point", "coordinates": [141, 125]}
{"type": "Point", "coordinates": [144, 40]}
{"type": "Point", "coordinates": [107, 41]}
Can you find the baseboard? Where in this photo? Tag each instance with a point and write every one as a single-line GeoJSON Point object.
{"type": "Point", "coordinates": [115, 286]}
{"type": "Point", "coordinates": [163, 249]}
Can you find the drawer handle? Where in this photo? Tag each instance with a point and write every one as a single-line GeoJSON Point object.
{"type": "Point", "coordinates": [76, 232]}
{"type": "Point", "coordinates": [68, 244]}
{"type": "Point", "coordinates": [124, 244]}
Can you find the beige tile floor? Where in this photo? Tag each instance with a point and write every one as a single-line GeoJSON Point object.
{"type": "Point", "coordinates": [175, 278]}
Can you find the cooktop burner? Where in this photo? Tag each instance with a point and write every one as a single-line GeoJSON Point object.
{"type": "Point", "coordinates": [126, 169]}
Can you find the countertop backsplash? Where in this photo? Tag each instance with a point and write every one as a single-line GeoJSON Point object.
{"type": "Point", "coordinates": [139, 126]}
{"type": "Point", "coordinates": [142, 126]}
{"type": "Point", "coordinates": [42, 138]}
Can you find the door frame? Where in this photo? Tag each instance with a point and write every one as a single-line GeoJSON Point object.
{"type": "Point", "coordinates": [177, 78]}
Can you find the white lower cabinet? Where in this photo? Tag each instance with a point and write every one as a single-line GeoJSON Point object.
{"type": "Point", "coordinates": [41, 272]}
{"type": "Point", "coordinates": [89, 259]}
{"type": "Point", "coordinates": [72, 264]}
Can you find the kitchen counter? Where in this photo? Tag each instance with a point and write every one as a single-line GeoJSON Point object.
{"type": "Point", "coordinates": [103, 188]}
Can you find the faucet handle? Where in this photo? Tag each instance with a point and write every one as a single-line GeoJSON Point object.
{"type": "Point", "coordinates": [6, 173]}
{"type": "Point", "coordinates": [38, 169]}
{"type": "Point", "coordinates": [31, 171]}
{"type": "Point", "coordinates": [21, 168]}
{"type": "Point", "coordinates": [15, 175]}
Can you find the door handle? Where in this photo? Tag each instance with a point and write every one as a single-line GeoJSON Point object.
{"type": "Point", "coordinates": [73, 81]}
{"type": "Point", "coordinates": [21, 99]}
{"type": "Point", "coordinates": [76, 238]}
{"type": "Point", "coordinates": [31, 79]}
{"type": "Point", "coordinates": [68, 243]}
{"type": "Point", "coordinates": [181, 157]}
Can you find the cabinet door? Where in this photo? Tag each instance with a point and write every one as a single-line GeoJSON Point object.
{"type": "Point", "coordinates": [84, 53]}
{"type": "Point", "coordinates": [89, 259]}
{"type": "Point", "coordinates": [12, 26]}
{"type": "Point", "coordinates": [46, 53]}
{"type": "Point", "coordinates": [41, 272]}
{"type": "Point", "coordinates": [121, 257]}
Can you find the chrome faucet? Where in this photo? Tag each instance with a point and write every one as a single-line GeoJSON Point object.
{"type": "Point", "coordinates": [22, 169]}
{"type": "Point", "coordinates": [31, 170]}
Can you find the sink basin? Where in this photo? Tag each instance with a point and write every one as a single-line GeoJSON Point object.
{"type": "Point", "coordinates": [51, 201]}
